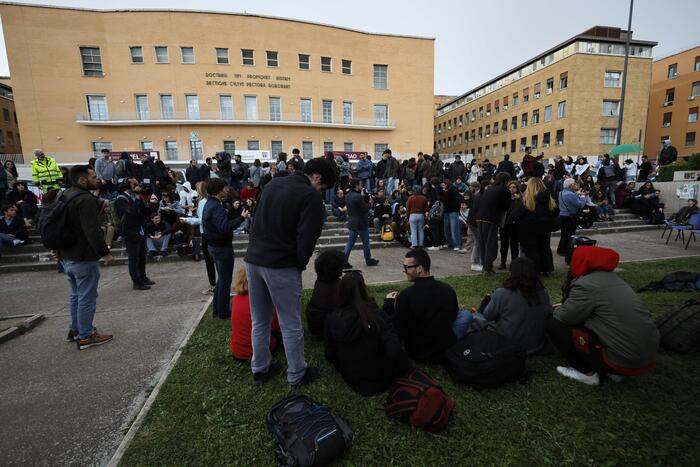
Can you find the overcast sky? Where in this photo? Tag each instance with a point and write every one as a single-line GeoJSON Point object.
{"type": "Point", "coordinates": [475, 40]}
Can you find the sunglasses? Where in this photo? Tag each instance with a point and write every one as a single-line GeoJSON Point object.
{"type": "Point", "coordinates": [406, 268]}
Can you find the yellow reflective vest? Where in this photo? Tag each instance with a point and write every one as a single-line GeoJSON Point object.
{"type": "Point", "coordinates": [46, 172]}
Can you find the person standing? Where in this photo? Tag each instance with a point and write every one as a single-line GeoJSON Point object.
{"type": "Point", "coordinates": [493, 206]}
{"type": "Point", "coordinates": [644, 169]}
{"type": "Point", "coordinates": [287, 224]}
{"type": "Point", "coordinates": [457, 168]}
{"type": "Point", "coordinates": [218, 229]}
{"type": "Point", "coordinates": [3, 183]}
{"type": "Point", "coordinates": [392, 172]}
{"type": "Point", "coordinates": [417, 207]}
{"type": "Point", "coordinates": [80, 261]}
{"type": "Point", "coordinates": [452, 200]}
{"type": "Point", "coordinates": [535, 226]}
{"type": "Point", "coordinates": [357, 210]}
{"type": "Point", "coordinates": [193, 174]}
{"type": "Point", "coordinates": [106, 170]}
{"type": "Point", "coordinates": [508, 234]}
{"type": "Point", "coordinates": [297, 159]}
{"type": "Point", "coordinates": [45, 171]}
{"type": "Point", "coordinates": [205, 170]}
{"type": "Point", "coordinates": [364, 172]}
{"type": "Point", "coordinates": [668, 153]}
{"type": "Point", "coordinates": [529, 164]}
{"type": "Point", "coordinates": [507, 166]}
{"type": "Point", "coordinates": [133, 206]}
{"type": "Point", "coordinates": [570, 202]}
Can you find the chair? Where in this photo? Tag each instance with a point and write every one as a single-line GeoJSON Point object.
{"type": "Point", "coordinates": [693, 224]}
{"type": "Point", "coordinates": [693, 227]}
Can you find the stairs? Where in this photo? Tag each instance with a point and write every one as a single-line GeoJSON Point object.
{"type": "Point", "coordinates": [34, 257]}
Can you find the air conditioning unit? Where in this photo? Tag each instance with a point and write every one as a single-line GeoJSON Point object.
{"type": "Point", "coordinates": [559, 143]}
{"type": "Point", "coordinates": [546, 145]}
{"type": "Point", "coordinates": [666, 125]}
{"type": "Point", "coordinates": [667, 103]}
{"type": "Point", "coordinates": [691, 98]}
{"type": "Point", "coordinates": [548, 91]}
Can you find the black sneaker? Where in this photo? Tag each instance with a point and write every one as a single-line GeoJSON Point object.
{"type": "Point", "coordinates": [312, 373]}
{"type": "Point", "coordinates": [347, 266]}
{"type": "Point", "coordinates": [148, 282]}
{"type": "Point", "coordinates": [142, 287]}
{"type": "Point", "coordinates": [262, 377]}
{"type": "Point", "coordinates": [372, 262]}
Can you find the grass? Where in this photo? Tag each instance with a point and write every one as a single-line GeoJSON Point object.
{"type": "Point", "coordinates": [209, 413]}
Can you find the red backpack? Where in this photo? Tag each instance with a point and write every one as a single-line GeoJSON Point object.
{"type": "Point", "coordinates": [417, 399]}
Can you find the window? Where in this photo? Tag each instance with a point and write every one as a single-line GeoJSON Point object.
{"type": "Point", "coordinates": [514, 123]}
{"type": "Point", "coordinates": [192, 103]}
{"type": "Point", "coordinates": [327, 111]}
{"type": "Point", "coordinates": [564, 80]}
{"type": "Point", "coordinates": [307, 149]}
{"type": "Point", "coordinates": [136, 54]}
{"type": "Point", "coordinates": [480, 132]}
{"type": "Point", "coordinates": [187, 54]}
{"type": "Point", "coordinates": [667, 119]}
{"type": "Point", "coordinates": [380, 76]}
{"type": "Point", "coordinates": [515, 99]}
{"type": "Point", "coordinates": [379, 149]}
{"type": "Point", "coordinates": [670, 95]}
{"type": "Point", "coordinates": [523, 144]}
{"type": "Point", "coordinates": [608, 135]}
{"type": "Point", "coordinates": [253, 145]}
{"type": "Point", "coordinates": [697, 64]}
{"type": "Point", "coordinates": [305, 110]}
{"type": "Point", "coordinates": [167, 109]}
{"type": "Point", "coordinates": [6, 115]}
{"type": "Point", "coordinates": [487, 152]}
{"type": "Point", "coordinates": [550, 86]}
{"type": "Point", "coordinates": [275, 108]}
{"type": "Point", "coordinates": [545, 140]}
{"type": "Point", "coordinates": [526, 95]}
{"type": "Point", "coordinates": [171, 150]}
{"type": "Point", "coordinates": [147, 145]}
{"type": "Point", "coordinates": [97, 146]}
{"type": "Point", "coordinates": [162, 54]}
{"type": "Point", "coordinates": [523, 120]}
{"type": "Point", "coordinates": [548, 113]}
{"type": "Point", "coordinates": [381, 114]}
{"type": "Point", "coordinates": [488, 130]}
{"type": "Point", "coordinates": [504, 125]}
{"type": "Point", "coordinates": [538, 87]}
{"type": "Point", "coordinates": [512, 145]}
{"type": "Point", "coordinates": [613, 79]}
{"type": "Point", "coordinates": [326, 64]}
{"type": "Point", "coordinates": [273, 59]}
{"type": "Point", "coordinates": [347, 147]}
{"type": "Point", "coordinates": [495, 128]}
{"type": "Point", "coordinates": [92, 61]}
{"type": "Point", "coordinates": [533, 141]}
{"type": "Point", "coordinates": [535, 117]}
{"type": "Point", "coordinates": [196, 150]}
{"type": "Point", "coordinates": [226, 107]}
{"type": "Point", "coordinates": [346, 67]}
{"type": "Point", "coordinates": [304, 62]}
{"type": "Point", "coordinates": [695, 89]}
{"type": "Point", "coordinates": [230, 146]}
{"type": "Point", "coordinates": [14, 115]}
{"type": "Point", "coordinates": [560, 137]}
{"type": "Point", "coordinates": [561, 109]}
{"type": "Point", "coordinates": [222, 56]}
{"type": "Point", "coordinates": [142, 107]}
{"type": "Point", "coordinates": [248, 57]}
{"type": "Point", "coordinates": [689, 139]}
{"type": "Point", "coordinates": [347, 112]}
{"type": "Point", "coordinates": [2, 139]}
{"type": "Point", "coordinates": [611, 108]}
{"type": "Point", "coordinates": [97, 107]}
{"type": "Point", "coordinates": [327, 146]}
{"type": "Point", "coordinates": [693, 115]}
{"type": "Point", "coordinates": [251, 107]}
{"type": "Point", "coordinates": [673, 71]}
{"type": "Point", "coordinates": [473, 115]}
{"type": "Point", "coordinates": [276, 147]}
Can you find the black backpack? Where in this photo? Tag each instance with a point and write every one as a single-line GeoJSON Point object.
{"type": "Point", "coordinates": [485, 359]}
{"type": "Point", "coordinates": [306, 432]}
{"type": "Point", "coordinates": [573, 243]}
{"type": "Point", "coordinates": [680, 327]}
{"type": "Point", "coordinates": [53, 226]}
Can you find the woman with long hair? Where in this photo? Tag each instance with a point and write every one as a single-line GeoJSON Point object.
{"type": "Point", "coordinates": [360, 340]}
{"type": "Point", "coordinates": [536, 225]}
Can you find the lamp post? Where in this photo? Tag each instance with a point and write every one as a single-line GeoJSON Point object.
{"type": "Point", "coordinates": [624, 78]}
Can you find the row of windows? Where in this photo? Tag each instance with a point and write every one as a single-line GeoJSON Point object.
{"type": "Point", "coordinates": [6, 116]}
{"type": "Point", "coordinates": [97, 109]}
{"type": "Point", "coordinates": [92, 61]}
{"type": "Point", "coordinates": [493, 151]}
{"type": "Point", "coordinates": [692, 117]}
{"type": "Point", "coordinates": [673, 68]}
{"type": "Point", "coordinates": [10, 139]}
{"type": "Point", "coordinates": [533, 119]}
{"type": "Point", "coordinates": [196, 148]}
{"type": "Point", "coordinates": [671, 94]}
{"type": "Point", "coordinates": [534, 141]}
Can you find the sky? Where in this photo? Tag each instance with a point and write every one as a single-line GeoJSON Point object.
{"type": "Point", "coordinates": [474, 40]}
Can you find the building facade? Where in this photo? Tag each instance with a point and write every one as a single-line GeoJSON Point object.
{"type": "Point", "coordinates": [10, 142]}
{"type": "Point", "coordinates": [189, 84]}
{"type": "Point", "coordinates": [565, 101]}
{"type": "Point", "coordinates": [674, 102]}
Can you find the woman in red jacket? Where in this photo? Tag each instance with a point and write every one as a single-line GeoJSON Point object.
{"type": "Point", "coordinates": [241, 323]}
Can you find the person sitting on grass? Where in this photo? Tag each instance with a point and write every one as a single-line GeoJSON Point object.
{"type": "Point", "coordinates": [324, 298]}
{"type": "Point", "coordinates": [519, 309]}
{"type": "Point", "coordinates": [361, 341]}
{"type": "Point", "coordinates": [158, 234]}
{"type": "Point", "coordinates": [602, 326]}
{"type": "Point", "coordinates": [242, 325]}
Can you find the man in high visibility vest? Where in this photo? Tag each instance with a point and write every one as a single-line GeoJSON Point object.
{"type": "Point", "coordinates": [45, 171]}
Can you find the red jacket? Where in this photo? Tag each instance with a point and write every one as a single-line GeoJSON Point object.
{"type": "Point", "coordinates": [248, 193]}
{"type": "Point", "coordinates": [241, 327]}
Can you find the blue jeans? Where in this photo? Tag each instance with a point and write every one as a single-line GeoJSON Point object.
{"type": "Point", "coordinates": [330, 194]}
{"type": "Point", "coordinates": [453, 233]}
{"type": "Point", "coordinates": [390, 184]}
{"type": "Point", "coordinates": [158, 245]}
{"type": "Point", "coordinates": [366, 184]}
{"type": "Point", "coordinates": [352, 236]}
{"type": "Point", "coordinates": [83, 277]}
{"type": "Point", "coordinates": [223, 261]}
{"type": "Point", "coordinates": [278, 289]}
{"type": "Point", "coordinates": [417, 221]}
{"type": "Point", "coordinates": [462, 323]}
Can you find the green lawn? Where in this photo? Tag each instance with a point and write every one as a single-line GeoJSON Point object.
{"type": "Point", "coordinates": [209, 413]}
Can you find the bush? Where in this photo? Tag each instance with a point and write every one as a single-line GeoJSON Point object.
{"type": "Point", "coordinates": [665, 173]}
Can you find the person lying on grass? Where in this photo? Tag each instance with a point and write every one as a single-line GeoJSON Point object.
{"type": "Point", "coordinates": [361, 341]}
{"type": "Point", "coordinates": [324, 298]}
{"type": "Point", "coordinates": [602, 326]}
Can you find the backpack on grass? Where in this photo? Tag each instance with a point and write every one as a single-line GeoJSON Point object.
{"type": "Point", "coordinates": [417, 399]}
{"type": "Point", "coordinates": [680, 327]}
{"type": "Point", "coordinates": [306, 432]}
{"type": "Point", "coordinates": [53, 226]}
{"type": "Point", "coordinates": [485, 359]}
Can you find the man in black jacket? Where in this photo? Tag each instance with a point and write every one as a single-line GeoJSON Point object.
{"type": "Point", "coordinates": [357, 209]}
{"type": "Point", "coordinates": [287, 223]}
{"type": "Point", "coordinates": [193, 174]}
{"type": "Point", "coordinates": [457, 169]}
{"type": "Point", "coordinates": [506, 166]}
{"type": "Point", "coordinates": [668, 153]}
{"type": "Point", "coordinates": [493, 205]}
{"type": "Point", "coordinates": [452, 201]}
{"type": "Point", "coordinates": [81, 260]}
{"type": "Point", "coordinates": [644, 169]}
{"type": "Point", "coordinates": [132, 205]}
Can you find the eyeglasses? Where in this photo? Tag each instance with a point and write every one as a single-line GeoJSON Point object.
{"type": "Point", "coordinates": [407, 267]}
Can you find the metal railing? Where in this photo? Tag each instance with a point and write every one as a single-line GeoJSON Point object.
{"type": "Point", "coordinates": [16, 158]}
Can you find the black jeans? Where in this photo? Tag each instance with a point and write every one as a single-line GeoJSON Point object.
{"type": "Point", "coordinates": [136, 250]}
{"type": "Point", "coordinates": [509, 238]}
{"type": "Point", "coordinates": [581, 347]}
{"type": "Point", "coordinates": [488, 244]}
{"type": "Point", "coordinates": [568, 228]}
{"type": "Point", "coordinates": [209, 262]}
{"type": "Point", "coordinates": [223, 260]}
{"type": "Point", "coordinates": [436, 232]}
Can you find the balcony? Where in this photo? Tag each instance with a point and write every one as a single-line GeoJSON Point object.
{"type": "Point", "coordinates": [215, 118]}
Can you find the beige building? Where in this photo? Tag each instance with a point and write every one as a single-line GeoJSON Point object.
{"type": "Point", "coordinates": [564, 101]}
{"type": "Point", "coordinates": [189, 84]}
{"type": "Point", "coordinates": [674, 102]}
{"type": "Point", "coordinates": [10, 142]}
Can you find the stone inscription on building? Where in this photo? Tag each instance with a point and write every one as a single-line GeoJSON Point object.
{"type": "Point", "coordinates": [238, 80]}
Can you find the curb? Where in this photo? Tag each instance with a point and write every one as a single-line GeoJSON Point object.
{"type": "Point", "coordinates": [25, 326]}
{"type": "Point", "coordinates": [138, 421]}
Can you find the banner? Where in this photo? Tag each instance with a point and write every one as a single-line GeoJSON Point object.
{"type": "Point", "coordinates": [351, 155]}
{"type": "Point", "coordinates": [135, 155]}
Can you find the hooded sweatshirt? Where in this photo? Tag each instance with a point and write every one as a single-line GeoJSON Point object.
{"type": "Point", "coordinates": [602, 302]}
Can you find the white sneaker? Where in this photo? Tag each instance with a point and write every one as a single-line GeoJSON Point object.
{"type": "Point", "coordinates": [616, 378]}
{"type": "Point", "coordinates": [443, 247]}
{"type": "Point", "coordinates": [477, 267]}
{"type": "Point", "coordinates": [455, 249]}
{"type": "Point", "coordinates": [17, 242]}
{"type": "Point", "coordinates": [462, 251]}
{"type": "Point", "coordinates": [591, 380]}
{"type": "Point", "coordinates": [433, 248]}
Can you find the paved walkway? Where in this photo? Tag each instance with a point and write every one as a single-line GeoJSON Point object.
{"type": "Point", "coordinates": [59, 406]}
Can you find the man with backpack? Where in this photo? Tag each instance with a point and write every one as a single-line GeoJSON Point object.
{"type": "Point", "coordinates": [357, 209]}
{"type": "Point", "coordinates": [133, 211]}
{"type": "Point", "coordinates": [81, 258]}
{"type": "Point", "coordinates": [609, 174]}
